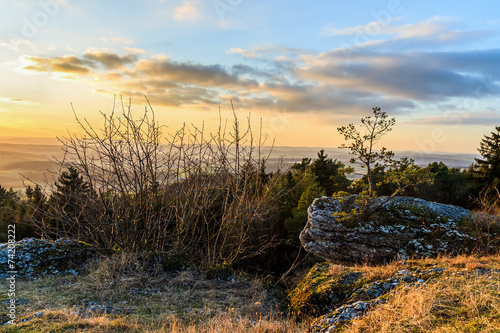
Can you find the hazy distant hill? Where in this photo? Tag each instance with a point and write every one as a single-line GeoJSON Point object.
{"type": "Point", "coordinates": [291, 155]}
{"type": "Point", "coordinates": [31, 158]}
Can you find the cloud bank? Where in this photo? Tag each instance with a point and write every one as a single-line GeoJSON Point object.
{"type": "Point", "coordinates": [376, 70]}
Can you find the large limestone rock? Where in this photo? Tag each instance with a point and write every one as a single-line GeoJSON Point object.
{"type": "Point", "coordinates": [401, 228]}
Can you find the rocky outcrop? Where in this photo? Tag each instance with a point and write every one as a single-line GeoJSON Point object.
{"type": "Point", "coordinates": [33, 258]}
{"type": "Point", "coordinates": [336, 295]}
{"type": "Point", "coordinates": [400, 228]}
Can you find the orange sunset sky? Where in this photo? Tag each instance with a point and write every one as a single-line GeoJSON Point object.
{"type": "Point", "coordinates": [303, 68]}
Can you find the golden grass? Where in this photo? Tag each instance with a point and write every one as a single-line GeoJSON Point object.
{"type": "Point", "coordinates": [63, 321]}
{"type": "Point", "coordinates": [463, 300]}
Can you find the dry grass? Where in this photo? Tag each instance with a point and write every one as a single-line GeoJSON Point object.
{"type": "Point", "coordinates": [381, 272]}
{"type": "Point", "coordinates": [464, 300]}
{"type": "Point", "coordinates": [177, 302]}
{"type": "Point", "coordinates": [62, 321]}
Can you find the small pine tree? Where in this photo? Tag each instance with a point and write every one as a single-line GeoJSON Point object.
{"type": "Point", "coordinates": [309, 190]}
{"type": "Point", "coordinates": [362, 145]}
{"type": "Point", "coordinates": [67, 204]}
{"type": "Point", "coordinates": [9, 212]}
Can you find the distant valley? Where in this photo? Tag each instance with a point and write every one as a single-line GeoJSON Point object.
{"type": "Point", "coordinates": [31, 159]}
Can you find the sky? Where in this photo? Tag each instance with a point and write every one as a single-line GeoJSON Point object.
{"type": "Point", "coordinates": [299, 68]}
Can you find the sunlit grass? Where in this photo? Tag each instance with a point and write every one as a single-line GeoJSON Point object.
{"type": "Point", "coordinates": [465, 299]}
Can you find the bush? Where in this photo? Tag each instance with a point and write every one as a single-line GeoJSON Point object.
{"type": "Point", "coordinates": [197, 195]}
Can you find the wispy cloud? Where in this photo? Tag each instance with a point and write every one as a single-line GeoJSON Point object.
{"type": "Point", "coordinates": [428, 28]}
{"type": "Point", "coordinates": [387, 35]}
{"type": "Point", "coordinates": [189, 11]}
{"type": "Point", "coordinates": [87, 64]}
{"type": "Point", "coordinates": [244, 53]}
{"type": "Point", "coordinates": [11, 100]}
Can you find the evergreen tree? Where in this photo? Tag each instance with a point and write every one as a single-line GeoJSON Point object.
{"type": "Point", "coordinates": [301, 167]}
{"type": "Point", "coordinates": [329, 174]}
{"type": "Point", "coordinates": [70, 183]}
{"type": "Point", "coordinates": [9, 213]}
{"type": "Point", "coordinates": [449, 186]}
{"type": "Point", "coordinates": [35, 195]}
{"type": "Point", "coordinates": [307, 190]}
{"type": "Point", "coordinates": [487, 169]}
{"type": "Point", "coordinates": [68, 202]}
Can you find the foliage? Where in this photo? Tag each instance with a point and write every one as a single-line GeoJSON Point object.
{"type": "Point", "coordinates": [485, 219]}
{"type": "Point", "coordinates": [401, 177]}
{"type": "Point", "coordinates": [362, 145]}
{"type": "Point", "coordinates": [9, 203]}
{"type": "Point", "coordinates": [401, 174]}
{"type": "Point", "coordinates": [305, 181]}
{"type": "Point", "coordinates": [330, 174]}
{"type": "Point", "coordinates": [448, 186]}
{"type": "Point", "coordinates": [14, 211]}
{"type": "Point", "coordinates": [309, 189]}
{"type": "Point", "coordinates": [485, 173]}
{"type": "Point", "coordinates": [487, 169]}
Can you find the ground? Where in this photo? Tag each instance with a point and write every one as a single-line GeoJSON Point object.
{"type": "Point", "coordinates": [124, 293]}
{"type": "Point", "coordinates": [119, 294]}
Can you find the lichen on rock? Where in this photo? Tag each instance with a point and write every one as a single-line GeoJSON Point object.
{"type": "Point", "coordinates": [400, 228]}
{"type": "Point", "coordinates": [39, 257]}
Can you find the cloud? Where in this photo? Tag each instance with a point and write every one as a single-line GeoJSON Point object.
{"type": "Point", "coordinates": [244, 53]}
{"type": "Point", "coordinates": [111, 60]}
{"type": "Point", "coordinates": [66, 64]}
{"type": "Point", "coordinates": [421, 76]}
{"type": "Point", "coordinates": [116, 40]}
{"type": "Point", "coordinates": [485, 118]}
{"type": "Point", "coordinates": [268, 51]}
{"type": "Point", "coordinates": [14, 100]}
{"type": "Point", "coordinates": [434, 32]}
{"type": "Point", "coordinates": [15, 44]}
{"type": "Point", "coordinates": [89, 63]}
{"type": "Point", "coordinates": [428, 28]}
{"type": "Point", "coordinates": [342, 80]}
{"type": "Point", "coordinates": [203, 75]}
{"type": "Point", "coordinates": [188, 12]}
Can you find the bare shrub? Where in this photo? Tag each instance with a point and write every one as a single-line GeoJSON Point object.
{"type": "Point", "coordinates": [200, 194]}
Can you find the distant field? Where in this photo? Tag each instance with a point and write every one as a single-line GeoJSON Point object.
{"type": "Point", "coordinates": [31, 158]}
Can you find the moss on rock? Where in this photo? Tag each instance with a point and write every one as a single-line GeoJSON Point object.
{"type": "Point", "coordinates": [336, 295]}
{"type": "Point", "coordinates": [321, 291]}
